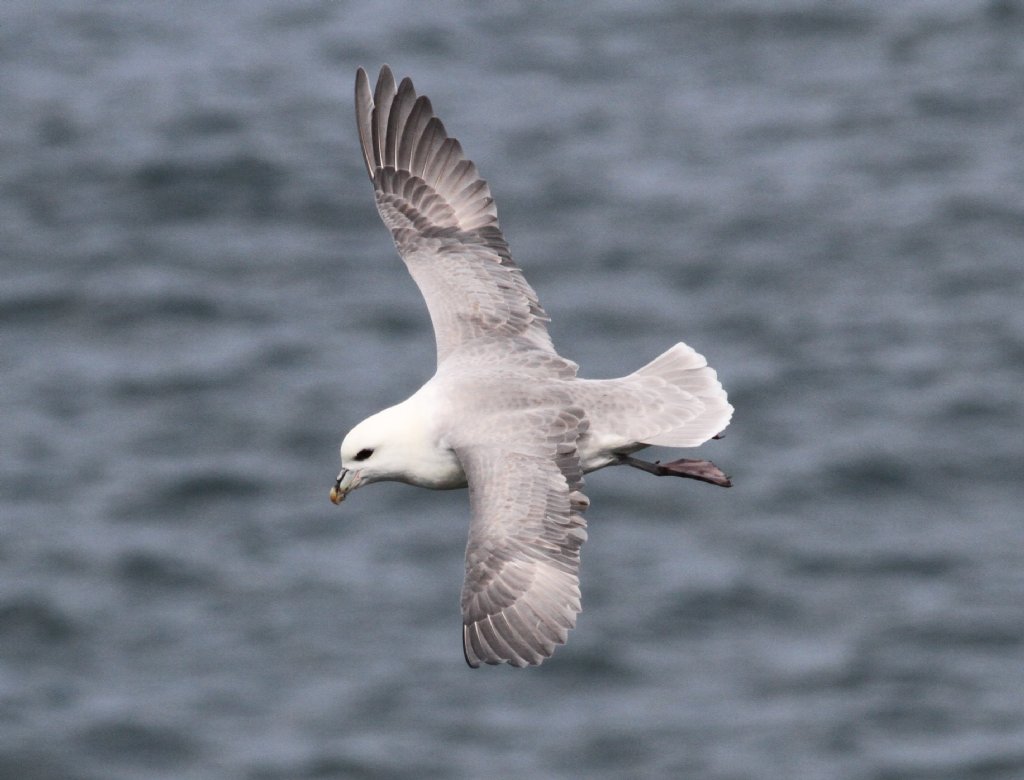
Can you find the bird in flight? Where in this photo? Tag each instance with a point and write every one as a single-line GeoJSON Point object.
{"type": "Point", "coordinates": [504, 414]}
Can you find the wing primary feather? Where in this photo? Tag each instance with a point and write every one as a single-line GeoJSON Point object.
{"type": "Point", "coordinates": [540, 646]}
{"type": "Point", "coordinates": [480, 647]}
{"type": "Point", "coordinates": [514, 638]}
{"type": "Point", "coordinates": [439, 165]}
{"type": "Point", "coordinates": [501, 649]}
{"type": "Point", "coordinates": [383, 94]}
{"type": "Point", "coordinates": [401, 106]}
{"type": "Point", "coordinates": [472, 658]}
{"type": "Point", "coordinates": [432, 136]}
{"type": "Point", "coordinates": [364, 116]}
{"type": "Point", "coordinates": [417, 121]}
{"type": "Point", "coordinates": [456, 169]}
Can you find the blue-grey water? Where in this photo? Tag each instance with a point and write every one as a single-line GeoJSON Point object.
{"type": "Point", "coordinates": [198, 299]}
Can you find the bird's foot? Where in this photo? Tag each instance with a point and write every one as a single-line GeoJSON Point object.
{"type": "Point", "coordinates": [703, 470]}
{"type": "Point", "coordinates": [690, 468]}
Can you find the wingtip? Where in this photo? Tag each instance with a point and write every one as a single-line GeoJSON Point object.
{"type": "Point", "coordinates": [364, 111]}
{"type": "Point", "coordinates": [362, 83]}
{"type": "Point", "coordinates": [385, 73]}
{"type": "Point", "coordinates": [385, 82]}
{"type": "Point", "coordinates": [471, 659]}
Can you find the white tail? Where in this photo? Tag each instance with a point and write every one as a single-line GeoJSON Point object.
{"type": "Point", "coordinates": [675, 400]}
{"type": "Point", "coordinates": [696, 407]}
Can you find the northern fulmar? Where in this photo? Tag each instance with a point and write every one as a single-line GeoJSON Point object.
{"type": "Point", "coordinates": [504, 415]}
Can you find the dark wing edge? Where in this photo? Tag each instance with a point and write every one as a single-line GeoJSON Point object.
{"type": "Point", "coordinates": [443, 220]}
{"type": "Point", "coordinates": [521, 593]}
{"type": "Point", "coordinates": [408, 153]}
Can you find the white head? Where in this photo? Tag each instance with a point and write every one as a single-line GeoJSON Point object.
{"type": "Point", "coordinates": [395, 444]}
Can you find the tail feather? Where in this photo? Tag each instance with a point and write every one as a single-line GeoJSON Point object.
{"type": "Point", "coordinates": [675, 400]}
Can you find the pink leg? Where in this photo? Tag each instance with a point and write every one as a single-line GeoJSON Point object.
{"type": "Point", "coordinates": [690, 468]}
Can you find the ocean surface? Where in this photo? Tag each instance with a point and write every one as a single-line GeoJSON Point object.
{"type": "Point", "coordinates": [198, 299]}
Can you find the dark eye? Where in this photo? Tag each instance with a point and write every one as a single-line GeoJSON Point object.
{"type": "Point", "coordinates": [363, 454]}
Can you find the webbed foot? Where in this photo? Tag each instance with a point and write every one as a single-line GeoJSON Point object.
{"type": "Point", "coordinates": [690, 468]}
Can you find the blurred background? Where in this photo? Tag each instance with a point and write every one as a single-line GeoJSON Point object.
{"type": "Point", "coordinates": [198, 299]}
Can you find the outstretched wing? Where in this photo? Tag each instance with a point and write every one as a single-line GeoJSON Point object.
{"type": "Point", "coordinates": [443, 220]}
{"type": "Point", "coordinates": [521, 593]}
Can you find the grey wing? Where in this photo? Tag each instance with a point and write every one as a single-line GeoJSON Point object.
{"type": "Point", "coordinates": [443, 220]}
{"type": "Point", "coordinates": [521, 593]}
